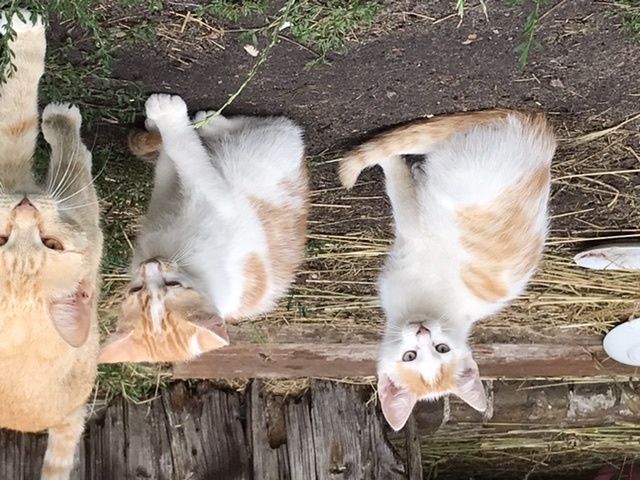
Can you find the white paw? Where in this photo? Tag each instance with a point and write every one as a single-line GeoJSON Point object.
{"type": "Point", "coordinates": [19, 25]}
{"type": "Point", "coordinates": [68, 110]}
{"type": "Point", "coordinates": [150, 125]}
{"type": "Point", "coordinates": [163, 108]}
{"type": "Point", "coordinates": [203, 114]}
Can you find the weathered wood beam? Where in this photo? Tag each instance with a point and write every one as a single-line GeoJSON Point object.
{"type": "Point", "coordinates": [326, 360]}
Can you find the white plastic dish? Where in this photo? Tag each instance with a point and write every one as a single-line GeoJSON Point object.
{"type": "Point", "coordinates": [623, 343]}
{"type": "Point", "coordinates": [610, 257]}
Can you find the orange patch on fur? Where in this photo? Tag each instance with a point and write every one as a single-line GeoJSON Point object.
{"type": "Point", "coordinates": [255, 286]}
{"type": "Point", "coordinates": [145, 145]}
{"type": "Point", "coordinates": [413, 381]}
{"type": "Point", "coordinates": [21, 127]}
{"type": "Point", "coordinates": [500, 239]}
{"type": "Point", "coordinates": [285, 231]}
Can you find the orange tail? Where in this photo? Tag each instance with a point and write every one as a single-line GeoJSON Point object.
{"type": "Point", "coordinates": [145, 144]}
{"type": "Point", "coordinates": [417, 137]}
{"type": "Point", "coordinates": [61, 447]}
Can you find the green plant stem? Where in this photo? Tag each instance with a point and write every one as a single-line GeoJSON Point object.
{"type": "Point", "coordinates": [252, 73]}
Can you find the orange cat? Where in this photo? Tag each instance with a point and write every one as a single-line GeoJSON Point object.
{"type": "Point", "coordinates": [50, 248]}
{"type": "Point", "coordinates": [223, 235]}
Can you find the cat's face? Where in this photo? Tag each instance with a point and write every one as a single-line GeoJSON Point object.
{"type": "Point", "coordinates": [162, 319]}
{"type": "Point", "coordinates": [42, 262]}
{"type": "Point", "coordinates": [421, 361]}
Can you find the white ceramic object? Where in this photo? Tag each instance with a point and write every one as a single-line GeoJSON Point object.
{"type": "Point", "coordinates": [623, 343]}
{"type": "Point", "coordinates": [611, 257]}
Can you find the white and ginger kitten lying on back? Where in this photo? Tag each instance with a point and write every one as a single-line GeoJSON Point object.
{"type": "Point", "coordinates": [470, 225]}
{"type": "Point", "coordinates": [50, 248]}
{"type": "Point", "coordinates": [223, 235]}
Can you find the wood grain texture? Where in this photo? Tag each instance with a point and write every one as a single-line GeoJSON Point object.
{"type": "Point", "coordinates": [574, 357]}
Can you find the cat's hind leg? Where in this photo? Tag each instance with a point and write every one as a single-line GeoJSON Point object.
{"type": "Point", "coordinates": [62, 446]}
{"type": "Point", "coordinates": [19, 99]}
{"type": "Point", "coordinates": [401, 189]}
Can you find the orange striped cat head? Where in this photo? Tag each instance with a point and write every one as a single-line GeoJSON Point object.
{"type": "Point", "coordinates": [162, 319]}
{"type": "Point", "coordinates": [420, 361]}
{"type": "Point", "coordinates": [42, 266]}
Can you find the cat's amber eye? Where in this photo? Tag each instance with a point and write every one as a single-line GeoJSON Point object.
{"type": "Point", "coordinates": [442, 348]}
{"type": "Point", "coordinates": [52, 243]}
{"type": "Point", "coordinates": [3, 239]}
{"type": "Point", "coordinates": [172, 283]}
{"type": "Point", "coordinates": [409, 356]}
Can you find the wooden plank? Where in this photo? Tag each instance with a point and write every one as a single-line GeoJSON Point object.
{"type": "Point", "coordinates": [496, 360]}
{"type": "Point", "coordinates": [348, 436]}
{"type": "Point", "coordinates": [107, 444]}
{"type": "Point", "coordinates": [412, 446]}
{"type": "Point", "coordinates": [300, 441]}
{"type": "Point", "coordinates": [268, 435]}
{"type": "Point", "coordinates": [207, 436]}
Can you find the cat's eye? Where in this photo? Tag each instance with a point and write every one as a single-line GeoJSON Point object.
{"type": "Point", "coordinates": [52, 243]}
{"type": "Point", "coordinates": [135, 289]}
{"type": "Point", "coordinates": [442, 348]}
{"type": "Point", "coordinates": [409, 356]}
{"type": "Point", "coordinates": [3, 239]}
{"type": "Point", "coordinates": [172, 283]}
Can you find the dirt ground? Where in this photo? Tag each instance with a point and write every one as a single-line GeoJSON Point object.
{"type": "Point", "coordinates": [416, 60]}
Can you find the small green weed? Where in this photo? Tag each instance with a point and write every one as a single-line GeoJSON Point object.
{"type": "Point", "coordinates": [232, 10]}
{"type": "Point", "coordinates": [530, 43]}
{"type": "Point", "coordinates": [631, 15]}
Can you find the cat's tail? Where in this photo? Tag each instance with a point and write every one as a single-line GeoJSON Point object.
{"type": "Point", "coordinates": [61, 447]}
{"type": "Point", "coordinates": [414, 138]}
{"type": "Point", "coordinates": [145, 144]}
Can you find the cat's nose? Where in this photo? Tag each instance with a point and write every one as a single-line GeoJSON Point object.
{"type": "Point", "coordinates": [422, 330]}
{"type": "Point", "coordinates": [25, 203]}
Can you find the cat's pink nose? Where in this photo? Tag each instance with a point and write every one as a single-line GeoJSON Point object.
{"type": "Point", "coordinates": [422, 330]}
{"type": "Point", "coordinates": [25, 203]}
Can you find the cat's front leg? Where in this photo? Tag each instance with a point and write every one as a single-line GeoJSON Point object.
{"type": "Point", "coordinates": [69, 179]}
{"type": "Point", "coordinates": [183, 145]}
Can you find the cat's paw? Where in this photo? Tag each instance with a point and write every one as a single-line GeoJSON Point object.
{"type": "Point", "coordinates": [162, 108]}
{"type": "Point", "coordinates": [21, 25]}
{"type": "Point", "coordinates": [67, 110]}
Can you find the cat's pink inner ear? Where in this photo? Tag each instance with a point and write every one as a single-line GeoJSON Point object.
{"type": "Point", "coordinates": [397, 403]}
{"type": "Point", "coordinates": [71, 316]}
{"type": "Point", "coordinates": [209, 338]}
{"type": "Point", "coordinates": [123, 349]}
{"type": "Point", "coordinates": [469, 386]}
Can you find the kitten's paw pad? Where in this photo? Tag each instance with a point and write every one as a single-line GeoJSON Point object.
{"type": "Point", "coordinates": [348, 171]}
{"type": "Point", "coordinates": [27, 23]}
{"type": "Point", "coordinates": [161, 107]}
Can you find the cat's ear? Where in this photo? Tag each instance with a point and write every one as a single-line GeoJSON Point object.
{"type": "Point", "coordinates": [397, 403]}
{"type": "Point", "coordinates": [71, 315]}
{"type": "Point", "coordinates": [123, 348]}
{"type": "Point", "coordinates": [469, 386]}
{"type": "Point", "coordinates": [210, 334]}
{"type": "Point", "coordinates": [207, 339]}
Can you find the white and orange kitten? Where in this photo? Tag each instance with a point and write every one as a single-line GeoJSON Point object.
{"type": "Point", "coordinates": [50, 248]}
{"type": "Point", "coordinates": [223, 235]}
{"type": "Point", "coordinates": [470, 226]}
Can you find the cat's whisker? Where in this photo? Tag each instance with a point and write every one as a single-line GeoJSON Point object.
{"type": "Point", "coordinates": [61, 186]}
{"type": "Point", "coordinates": [86, 186]}
{"type": "Point", "coordinates": [59, 183]}
{"type": "Point", "coordinates": [64, 209]}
